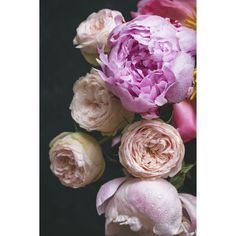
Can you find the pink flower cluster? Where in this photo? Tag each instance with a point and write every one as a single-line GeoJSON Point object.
{"type": "Point", "coordinates": [145, 64]}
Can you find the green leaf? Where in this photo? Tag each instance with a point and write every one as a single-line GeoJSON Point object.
{"type": "Point", "coordinates": [186, 168]}
{"type": "Point", "coordinates": [178, 180]}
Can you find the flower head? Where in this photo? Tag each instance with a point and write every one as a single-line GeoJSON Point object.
{"type": "Point", "coordinates": [93, 107]}
{"type": "Point", "coordinates": [94, 31]}
{"type": "Point", "coordinates": [151, 149]}
{"type": "Point", "coordinates": [145, 207]}
{"type": "Point", "coordinates": [150, 64]}
{"type": "Point", "coordinates": [76, 159]}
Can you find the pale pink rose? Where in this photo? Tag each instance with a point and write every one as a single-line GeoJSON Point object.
{"type": "Point", "coordinates": [94, 31]}
{"type": "Point", "coordinates": [93, 107]}
{"type": "Point", "coordinates": [184, 119]}
{"type": "Point", "coordinates": [76, 159]}
{"type": "Point", "coordinates": [151, 149]}
{"type": "Point", "coordinates": [135, 207]}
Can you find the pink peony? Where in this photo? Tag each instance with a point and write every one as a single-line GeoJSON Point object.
{"type": "Point", "coordinates": [150, 64]}
{"type": "Point", "coordinates": [184, 119]}
{"type": "Point", "coordinates": [145, 208]}
{"type": "Point", "coordinates": [175, 9]}
{"type": "Point", "coordinates": [151, 149]}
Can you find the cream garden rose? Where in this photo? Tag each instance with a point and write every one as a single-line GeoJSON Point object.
{"type": "Point", "coordinates": [76, 159]}
{"type": "Point", "coordinates": [151, 149]}
{"type": "Point", "coordinates": [93, 107]}
{"type": "Point", "coordinates": [94, 31]}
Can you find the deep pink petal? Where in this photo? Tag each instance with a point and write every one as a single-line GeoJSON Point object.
{"type": "Point", "coordinates": [184, 119]}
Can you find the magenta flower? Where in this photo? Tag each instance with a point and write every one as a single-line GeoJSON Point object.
{"type": "Point", "coordinates": [175, 9]}
{"type": "Point", "coordinates": [150, 64]}
{"type": "Point", "coordinates": [184, 119]}
{"type": "Point", "coordinates": [146, 208]}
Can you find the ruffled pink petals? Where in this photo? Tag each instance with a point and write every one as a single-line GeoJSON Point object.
{"type": "Point", "coordinates": [149, 64]}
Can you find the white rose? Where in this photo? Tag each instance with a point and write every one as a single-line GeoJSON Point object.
{"type": "Point", "coordinates": [93, 107]}
{"type": "Point", "coordinates": [76, 159]}
{"type": "Point", "coordinates": [94, 31]}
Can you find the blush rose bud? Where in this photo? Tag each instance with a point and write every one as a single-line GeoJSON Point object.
{"type": "Point", "coordinates": [94, 31]}
{"type": "Point", "coordinates": [93, 107]}
{"type": "Point", "coordinates": [76, 159]}
{"type": "Point", "coordinates": [151, 149]}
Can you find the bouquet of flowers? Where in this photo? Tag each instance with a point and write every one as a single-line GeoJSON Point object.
{"type": "Point", "coordinates": [136, 108]}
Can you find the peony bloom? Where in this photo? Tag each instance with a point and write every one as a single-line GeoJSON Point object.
{"type": "Point", "coordinates": [150, 64]}
{"type": "Point", "coordinates": [145, 208]}
{"type": "Point", "coordinates": [93, 107]}
{"type": "Point", "coordinates": [76, 159]}
{"type": "Point", "coordinates": [184, 119]}
{"type": "Point", "coordinates": [151, 149]}
{"type": "Point", "coordinates": [183, 11]}
{"type": "Point", "coordinates": [94, 31]}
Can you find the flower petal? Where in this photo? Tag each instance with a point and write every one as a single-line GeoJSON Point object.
{"type": "Point", "coordinates": [107, 191]}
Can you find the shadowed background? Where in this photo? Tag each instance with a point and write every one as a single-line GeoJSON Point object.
{"type": "Point", "coordinates": [66, 211]}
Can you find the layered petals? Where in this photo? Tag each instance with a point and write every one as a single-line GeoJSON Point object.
{"type": "Point", "coordinates": [76, 159]}
{"type": "Point", "coordinates": [151, 149]}
{"type": "Point", "coordinates": [150, 64]}
{"type": "Point", "coordinates": [94, 107]}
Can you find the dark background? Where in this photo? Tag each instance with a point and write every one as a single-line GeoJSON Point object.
{"type": "Point", "coordinates": [65, 211]}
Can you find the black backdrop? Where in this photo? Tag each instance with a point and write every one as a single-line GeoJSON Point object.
{"type": "Point", "coordinates": [65, 211]}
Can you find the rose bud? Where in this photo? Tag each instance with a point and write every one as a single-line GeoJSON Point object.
{"type": "Point", "coordinates": [184, 119]}
{"type": "Point", "coordinates": [151, 149]}
{"type": "Point", "coordinates": [93, 107]}
{"type": "Point", "coordinates": [76, 159]}
{"type": "Point", "coordinates": [141, 207]}
{"type": "Point", "coordinates": [94, 31]}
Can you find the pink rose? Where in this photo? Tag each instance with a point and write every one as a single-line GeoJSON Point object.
{"type": "Point", "coordinates": [94, 107]}
{"type": "Point", "coordinates": [184, 119]}
{"type": "Point", "coordinates": [94, 31]}
{"type": "Point", "coordinates": [175, 9]}
{"type": "Point", "coordinates": [76, 159]}
{"type": "Point", "coordinates": [151, 149]}
{"type": "Point", "coordinates": [145, 208]}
